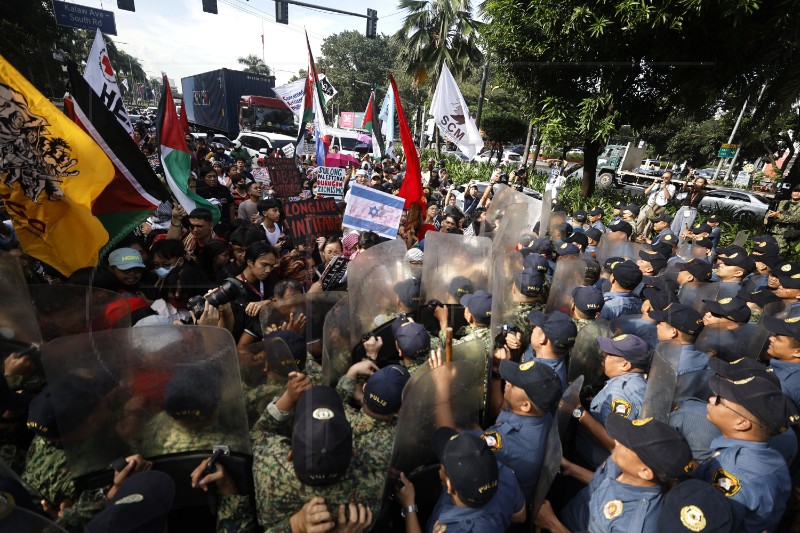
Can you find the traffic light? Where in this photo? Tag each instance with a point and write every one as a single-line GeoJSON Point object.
{"type": "Point", "coordinates": [372, 24]}
{"type": "Point", "coordinates": [281, 12]}
{"type": "Point", "coordinates": [210, 6]}
{"type": "Point", "coordinates": [126, 5]}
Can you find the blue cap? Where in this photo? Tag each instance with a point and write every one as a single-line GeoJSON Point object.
{"type": "Point", "coordinates": [558, 327]}
{"type": "Point", "coordinates": [567, 248]}
{"type": "Point", "coordinates": [529, 282]}
{"type": "Point", "coordinates": [630, 347]}
{"type": "Point", "coordinates": [408, 292]}
{"type": "Point", "coordinates": [696, 505]}
{"type": "Point", "coordinates": [412, 338]}
{"type": "Point", "coordinates": [479, 305]}
{"type": "Point", "coordinates": [588, 299]}
{"type": "Point", "coordinates": [460, 286]}
{"type": "Point", "coordinates": [536, 262]}
{"type": "Point", "coordinates": [384, 390]}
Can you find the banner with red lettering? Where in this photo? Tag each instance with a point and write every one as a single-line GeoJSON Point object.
{"type": "Point", "coordinates": [285, 177]}
{"type": "Point", "coordinates": [309, 219]}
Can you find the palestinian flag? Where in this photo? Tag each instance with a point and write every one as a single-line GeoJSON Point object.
{"type": "Point", "coordinates": [367, 123]}
{"type": "Point", "coordinates": [135, 191]}
{"type": "Point", "coordinates": [175, 157]}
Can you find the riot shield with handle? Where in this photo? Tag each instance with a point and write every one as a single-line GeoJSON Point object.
{"type": "Point", "coordinates": [336, 348]}
{"type": "Point", "coordinates": [497, 214]}
{"type": "Point", "coordinates": [171, 393]}
{"type": "Point", "coordinates": [746, 340]}
{"type": "Point", "coordinates": [570, 273]}
{"type": "Point", "coordinates": [313, 307]}
{"type": "Point", "coordinates": [509, 305]}
{"type": "Point", "coordinates": [547, 208]}
{"type": "Point", "coordinates": [569, 401]}
{"type": "Point", "coordinates": [662, 381]}
{"type": "Point", "coordinates": [741, 238]}
{"type": "Point", "coordinates": [372, 276]}
{"type": "Point", "coordinates": [586, 357]}
{"type": "Point", "coordinates": [692, 294]}
{"type": "Point", "coordinates": [72, 309]}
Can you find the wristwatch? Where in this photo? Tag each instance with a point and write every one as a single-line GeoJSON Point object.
{"type": "Point", "coordinates": [578, 412]}
{"type": "Point", "coordinates": [410, 509]}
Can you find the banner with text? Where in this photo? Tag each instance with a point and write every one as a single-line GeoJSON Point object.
{"type": "Point", "coordinates": [309, 219]}
{"type": "Point", "coordinates": [330, 181]}
{"type": "Point", "coordinates": [284, 176]}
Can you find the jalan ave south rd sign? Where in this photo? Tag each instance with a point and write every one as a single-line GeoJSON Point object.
{"type": "Point", "coordinates": [84, 17]}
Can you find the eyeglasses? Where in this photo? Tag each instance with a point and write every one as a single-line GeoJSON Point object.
{"type": "Point", "coordinates": [718, 401]}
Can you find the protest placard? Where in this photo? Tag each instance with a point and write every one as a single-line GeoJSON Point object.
{"type": "Point", "coordinates": [330, 181]}
{"type": "Point", "coordinates": [261, 175]}
{"type": "Point", "coordinates": [335, 273]}
{"type": "Point", "coordinates": [285, 177]}
{"type": "Point", "coordinates": [309, 219]}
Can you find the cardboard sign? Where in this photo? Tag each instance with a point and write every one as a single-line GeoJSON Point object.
{"type": "Point", "coordinates": [309, 219]}
{"type": "Point", "coordinates": [335, 273]}
{"type": "Point", "coordinates": [285, 177]}
{"type": "Point", "coordinates": [330, 181]}
{"type": "Point", "coordinates": [261, 175]}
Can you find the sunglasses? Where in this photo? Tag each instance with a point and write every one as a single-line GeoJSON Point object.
{"type": "Point", "coordinates": [718, 401]}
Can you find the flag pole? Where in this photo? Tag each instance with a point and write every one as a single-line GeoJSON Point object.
{"type": "Point", "coordinates": [263, 57]}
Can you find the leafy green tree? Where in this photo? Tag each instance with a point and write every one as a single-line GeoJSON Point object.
{"type": "Point", "coordinates": [438, 32]}
{"type": "Point", "coordinates": [254, 64]}
{"type": "Point", "coordinates": [593, 66]}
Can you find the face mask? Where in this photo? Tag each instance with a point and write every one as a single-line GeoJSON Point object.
{"type": "Point", "coordinates": [163, 272]}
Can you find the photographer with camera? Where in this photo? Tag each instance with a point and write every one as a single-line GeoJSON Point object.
{"type": "Point", "coordinates": [658, 193]}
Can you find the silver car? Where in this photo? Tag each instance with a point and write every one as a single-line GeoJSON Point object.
{"type": "Point", "coordinates": [745, 202]}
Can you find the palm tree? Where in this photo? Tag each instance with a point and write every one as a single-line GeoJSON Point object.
{"type": "Point", "coordinates": [436, 32]}
{"type": "Point", "coordinates": [254, 64]}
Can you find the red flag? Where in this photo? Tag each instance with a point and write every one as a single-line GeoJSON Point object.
{"type": "Point", "coordinates": [367, 122]}
{"type": "Point", "coordinates": [184, 119]}
{"type": "Point", "coordinates": [411, 189]}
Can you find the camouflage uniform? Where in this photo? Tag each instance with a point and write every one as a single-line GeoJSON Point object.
{"type": "Point", "coordinates": [468, 333]}
{"type": "Point", "coordinates": [236, 514]}
{"type": "Point", "coordinates": [581, 322]}
{"type": "Point", "coordinates": [519, 317]}
{"type": "Point", "coordinates": [163, 434]}
{"type": "Point", "coordinates": [77, 516]}
{"type": "Point", "coordinates": [790, 218]}
{"type": "Point", "coordinates": [47, 471]}
{"type": "Point", "coordinates": [257, 398]}
{"type": "Point", "coordinates": [314, 372]}
{"type": "Point", "coordinates": [279, 493]}
{"type": "Point", "coordinates": [413, 366]}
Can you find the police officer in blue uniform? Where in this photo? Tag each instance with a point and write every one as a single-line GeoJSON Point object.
{"type": "Point", "coordinates": [620, 300]}
{"type": "Point", "coordinates": [518, 438]}
{"type": "Point", "coordinates": [682, 324]}
{"type": "Point", "coordinates": [693, 270]}
{"type": "Point", "coordinates": [692, 506]}
{"type": "Point", "coordinates": [596, 219]}
{"type": "Point", "coordinates": [784, 353]}
{"type": "Point", "coordinates": [552, 338]}
{"type": "Point", "coordinates": [626, 493]}
{"type": "Point", "coordinates": [753, 476]}
{"type": "Point", "coordinates": [626, 359]}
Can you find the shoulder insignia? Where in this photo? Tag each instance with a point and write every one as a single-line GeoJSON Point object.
{"type": "Point", "coordinates": [439, 528]}
{"type": "Point", "coordinates": [725, 482]}
{"type": "Point", "coordinates": [692, 518]}
{"type": "Point", "coordinates": [612, 509]}
{"type": "Point", "coordinates": [493, 440]}
{"type": "Point", "coordinates": [621, 407]}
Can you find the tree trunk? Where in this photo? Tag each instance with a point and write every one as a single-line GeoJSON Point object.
{"type": "Point", "coordinates": [528, 145]}
{"type": "Point", "coordinates": [537, 150]}
{"type": "Point", "coordinates": [436, 140]}
{"type": "Point", "coordinates": [591, 149]}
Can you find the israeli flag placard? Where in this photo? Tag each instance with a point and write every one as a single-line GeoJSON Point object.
{"type": "Point", "coordinates": [372, 210]}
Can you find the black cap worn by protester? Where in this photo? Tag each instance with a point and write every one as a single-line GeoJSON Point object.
{"type": "Point", "coordinates": [479, 304]}
{"type": "Point", "coordinates": [384, 389]}
{"type": "Point", "coordinates": [734, 309]}
{"type": "Point", "coordinates": [540, 382]}
{"type": "Point", "coordinates": [469, 464]}
{"type": "Point", "coordinates": [694, 505]}
{"type": "Point", "coordinates": [141, 505]}
{"type": "Point", "coordinates": [627, 272]}
{"type": "Point", "coordinates": [322, 439]}
{"type": "Point", "coordinates": [681, 317]}
{"type": "Point", "coordinates": [412, 338]}
{"type": "Point", "coordinates": [558, 327]}
{"type": "Point", "coordinates": [658, 445]}
{"type": "Point", "coordinates": [701, 270]}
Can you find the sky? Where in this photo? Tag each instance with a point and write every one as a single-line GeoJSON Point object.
{"type": "Point", "coordinates": [177, 37]}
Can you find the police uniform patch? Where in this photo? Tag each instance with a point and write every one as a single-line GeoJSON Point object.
{"type": "Point", "coordinates": [493, 440]}
{"type": "Point", "coordinates": [612, 509]}
{"type": "Point", "coordinates": [621, 407]}
{"type": "Point", "coordinates": [620, 337]}
{"type": "Point", "coordinates": [642, 421]}
{"type": "Point", "coordinates": [725, 482]}
{"type": "Point", "coordinates": [526, 366]}
{"type": "Point", "coordinates": [692, 518]}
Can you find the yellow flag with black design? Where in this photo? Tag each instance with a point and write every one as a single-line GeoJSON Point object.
{"type": "Point", "coordinates": [51, 172]}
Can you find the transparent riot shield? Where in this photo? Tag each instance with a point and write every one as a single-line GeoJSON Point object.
{"type": "Point", "coordinates": [18, 520]}
{"type": "Point", "coordinates": [741, 238]}
{"type": "Point", "coordinates": [586, 357]}
{"type": "Point", "coordinates": [570, 273]}
{"type": "Point", "coordinates": [336, 346]}
{"type": "Point", "coordinates": [782, 310]}
{"type": "Point", "coordinates": [544, 218]}
{"type": "Point", "coordinates": [569, 401]}
{"type": "Point", "coordinates": [661, 381]}
{"type": "Point", "coordinates": [19, 330]}
{"type": "Point", "coordinates": [692, 294]}
{"type": "Point", "coordinates": [371, 279]}
{"type": "Point", "coordinates": [550, 467]}
{"type": "Point", "coordinates": [72, 309]}
{"type": "Point", "coordinates": [454, 265]}
{"type": "Point", "coordinates": [613, 244]}
{"type": "Point", "coordinates": [314, 307]}
{"type": "Point", "coordinates": [556, 218]}
{"type": "Point", "coordinates": [728, 289]}
{"type": "Point", "coordinates": [171, 393]}
{"type": "Point", "coordinates": [513, 225]}
{"type": "Point", "coordinates": [509, 306]}
{"type": "Point", "coordinates": [747, 340]}
{"type": "Point", "coordinates": [498, 214]}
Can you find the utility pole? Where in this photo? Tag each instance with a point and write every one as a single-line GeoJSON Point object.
{"type": "Point", "coordinates": [484, 78]}
{"type": "Point", "coordinates": [730, 140]}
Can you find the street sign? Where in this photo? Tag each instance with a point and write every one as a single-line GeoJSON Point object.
{"type": "Point", "coordinates": [727, 151]}
{"type": "Point", "coordinates": [84, 17]}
